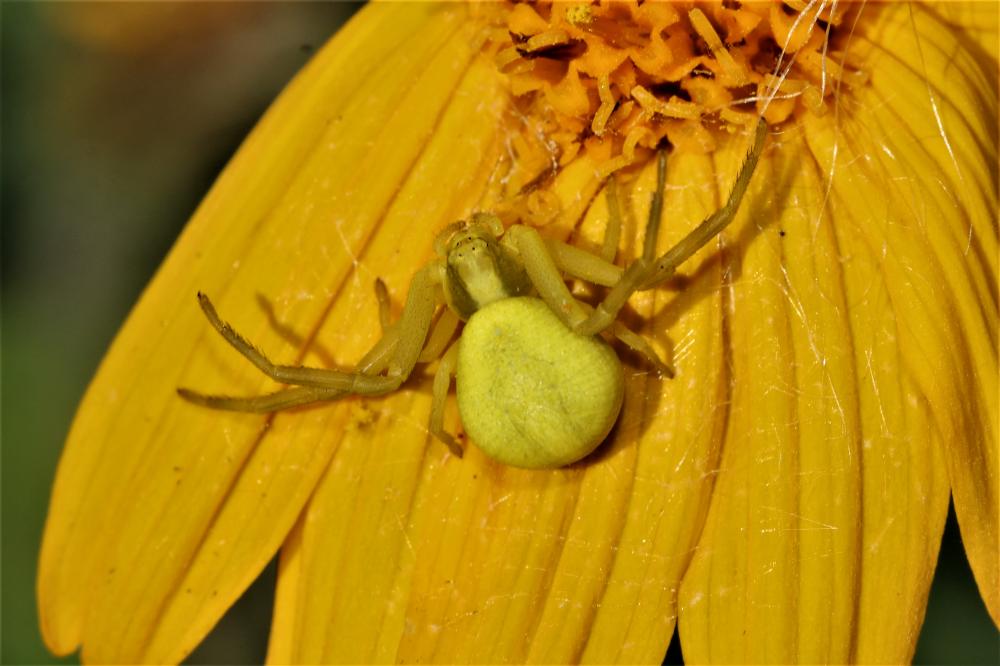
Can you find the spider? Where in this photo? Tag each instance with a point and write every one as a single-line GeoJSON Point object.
{"type": "Point", "coordinates": [537, 384]}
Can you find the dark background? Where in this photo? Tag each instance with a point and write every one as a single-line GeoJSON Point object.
{"type": "Point", "coordinates": [116, 118]}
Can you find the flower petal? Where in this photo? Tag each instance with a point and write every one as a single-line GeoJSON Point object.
{"type": "Point", "coordinates": [977, 21]}
{"type": "Point", "coordinates": [939, 162]}
{"type": "Point", "coordinates": [775, 574]}
{"type": "Point", "coordinates": [897, 185]}
{"type": "Point", "coordinates": [139, 511]}
{"type": "Point", "coordinates": [905, 487]}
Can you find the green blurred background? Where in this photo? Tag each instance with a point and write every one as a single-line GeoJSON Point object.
{"type": "Point", "coordinates": [116, 118]}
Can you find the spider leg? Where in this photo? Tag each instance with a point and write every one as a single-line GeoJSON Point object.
{"type": "Point", "coordinates": [384, 305]}
{"type": "Point", "coordinates": [641, 345]}
{"type": "Point", "coordinates": [396, 353]}
{"type": "Point", "coordinates": [442, 383]}
{"type": "Point", "coordinates": [376, 360]}
{"type": "Point", "coordinates": [543, 269]}
{"type": "Point", "coordinates": [714, 223]}
{"type": "Point", "coordinates": [582, 264]}
{"type": "Point", "coordinates": [646, 271]}
{"type": "Point", "coordinates": [607, 310]}
{"type": "Point", "coordinates": [262, 404]}
{"type": "Point", "coordinates": [415, 322]}
{"type": "Point", "coordinates": [440, 335]}
{"type": "Point", "coordinates": [378, 357]}
{"type": "Point", "coordinates": [594, 268]}
{"type": "Point", "coordinates": [544, 274]}
{"type": "Point", "coordinates": [347, 382]}
{"type": "Point", "coordinates": [613, 231]}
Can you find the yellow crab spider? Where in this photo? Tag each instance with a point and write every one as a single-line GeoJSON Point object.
{"type": "Point", "coordinates": [537, 385]}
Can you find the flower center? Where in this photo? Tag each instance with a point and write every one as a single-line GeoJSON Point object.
{"type": "Point", "coordinates": [614, 79]}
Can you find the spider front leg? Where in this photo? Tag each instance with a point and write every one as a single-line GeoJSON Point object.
{"type": "Point", "coordinates": [404, 340]}
{"type": "Point", "coordinates": [646, 271]}
{"type": "Point", "coordinates": [540, 264]}
{"type": "Point", "coordinates": [597, 269]}
{"type": "Point", "coordinates": [545, 263]}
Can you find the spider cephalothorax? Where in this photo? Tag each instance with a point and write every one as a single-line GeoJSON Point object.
{"type": "Point", "coordinates": [478, 268]}
{"type": "Point", "coordinates": [537, 385]}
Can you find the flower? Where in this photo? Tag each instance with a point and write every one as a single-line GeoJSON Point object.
{"type": "Point", "coordinates": [782, 498]}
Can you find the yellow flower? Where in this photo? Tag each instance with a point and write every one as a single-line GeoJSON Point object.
{"type": "Point", "coordinates": [783, 497]}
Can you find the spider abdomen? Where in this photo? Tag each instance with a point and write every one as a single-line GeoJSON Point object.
{"type": "Point", "coordinates": [531, 392]}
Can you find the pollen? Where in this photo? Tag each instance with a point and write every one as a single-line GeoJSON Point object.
{"type": "Point", "coordinates": [613, 79]}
